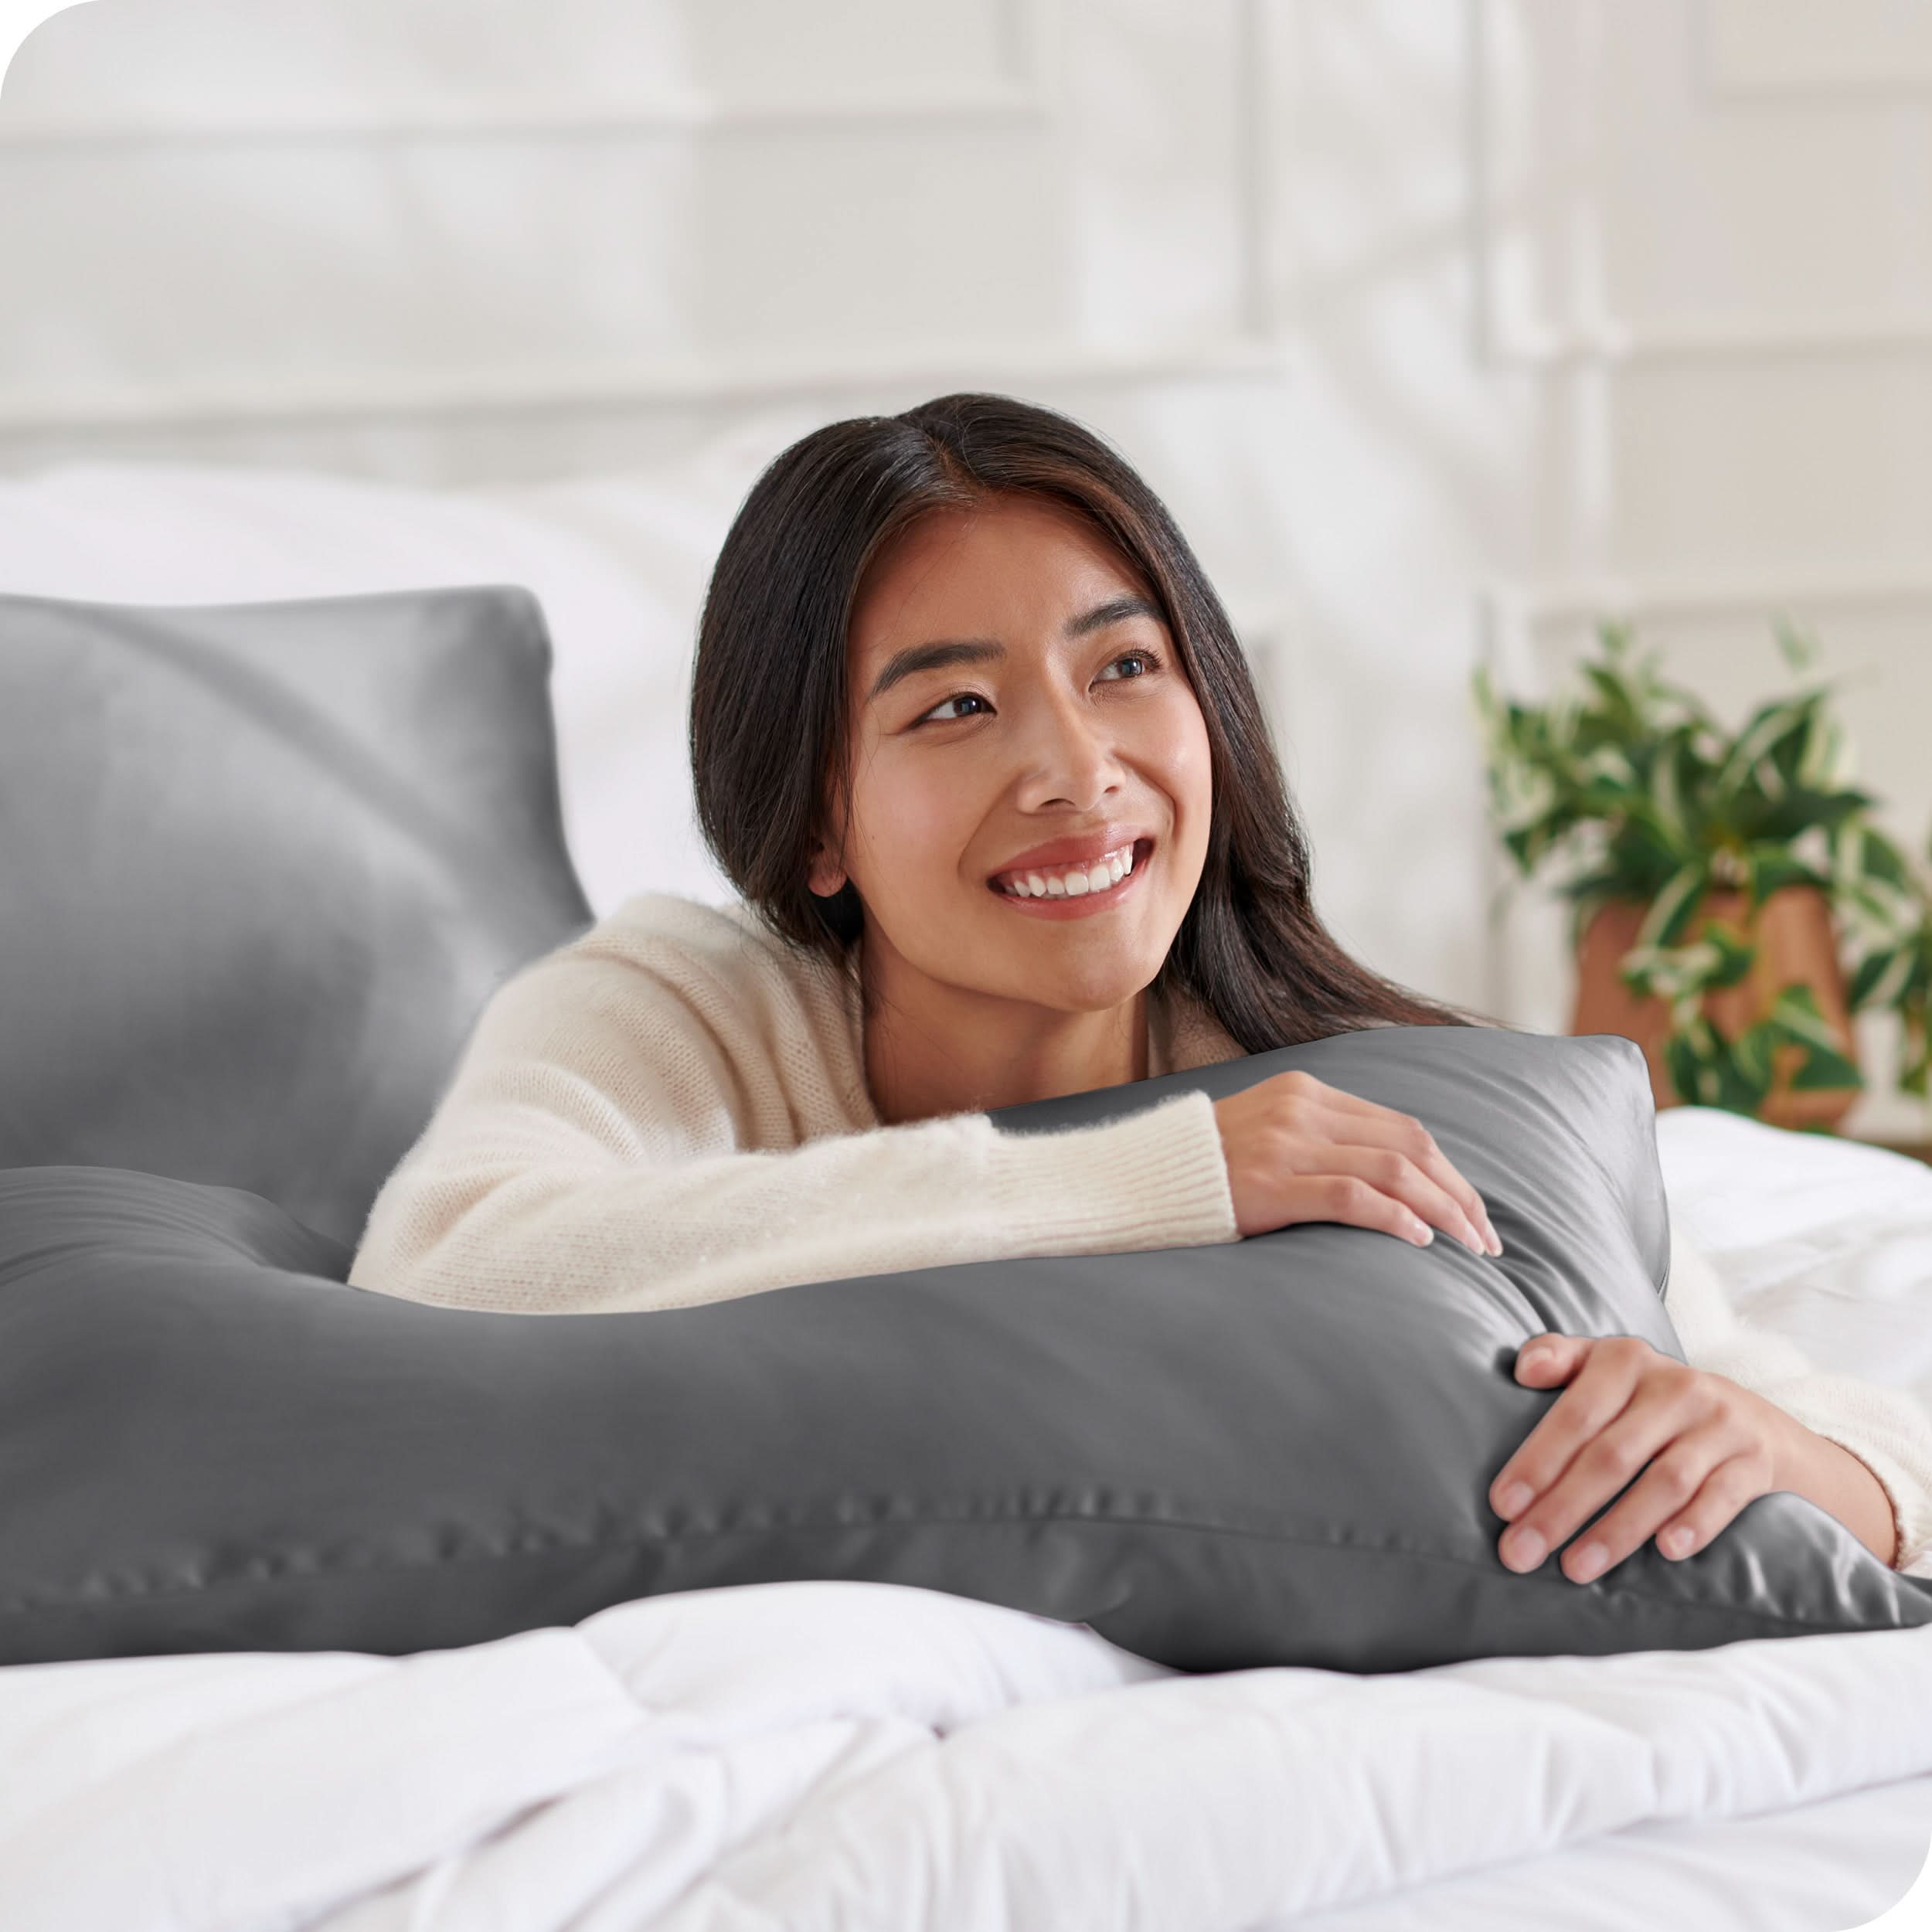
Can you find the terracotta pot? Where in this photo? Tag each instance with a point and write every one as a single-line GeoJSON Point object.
{"type": "Point", "coordinates": [1796, 945]}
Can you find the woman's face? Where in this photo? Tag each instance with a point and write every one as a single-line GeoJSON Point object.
{"type": "Point", "coordinates": [1058, 711]}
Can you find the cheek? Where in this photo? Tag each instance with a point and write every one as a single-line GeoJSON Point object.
{"type": "Point", "coordinates": [912, 811]}
{"type": "Point", "coordinates": [1177, 753]}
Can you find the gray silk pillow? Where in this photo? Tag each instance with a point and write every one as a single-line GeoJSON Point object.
{"type": "Point", "coordinates": [1275, 1450]}
{"type": "Point", "coordinates": [260, 867]}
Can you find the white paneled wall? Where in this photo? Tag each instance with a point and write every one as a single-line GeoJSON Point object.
{"type": "Point", "coordinates": [1445, 326]}
{"type": "Point", "coordinates": [1713, 243]}
{"type": "Point", "coordinates": [245, 217]}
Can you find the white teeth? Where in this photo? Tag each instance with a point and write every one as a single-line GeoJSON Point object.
{"type": "Point", "coordinates": [1103, 873]}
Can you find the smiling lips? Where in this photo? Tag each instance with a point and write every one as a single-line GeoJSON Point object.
{"type": "Point", "coordinates": [1069, 881]}
{"type": "Point", "coordinates": [1071, 889]}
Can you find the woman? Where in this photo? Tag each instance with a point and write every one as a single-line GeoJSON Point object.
{"type": "Point", "coordinates": [976, 741]}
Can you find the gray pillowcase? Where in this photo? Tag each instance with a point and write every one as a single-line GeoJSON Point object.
{"type": "Point", "coordinates": [261, 866]}
{"type": "Point", "coordinates": [1275, 1450]}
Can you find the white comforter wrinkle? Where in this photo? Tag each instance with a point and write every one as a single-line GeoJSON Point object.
{"type": "Point", "coordinates": [793, 1651]}
{"type": "Point", "coordinates": [439, 1748]}
{"type": "Point", "coordinates": [1252, 1789]}
{"type": "Point", "coordinates": [1779, 1721]}
{"type": "Point", "coordinates": [72, 1726]}
{"type": "Point", "coordinates": [1512, 1772]}
{"type": "Point", "coordinates": [616, 1853]}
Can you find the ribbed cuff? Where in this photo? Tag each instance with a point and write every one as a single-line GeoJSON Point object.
{"type": "Point", "coordinates": [1156, 1179]}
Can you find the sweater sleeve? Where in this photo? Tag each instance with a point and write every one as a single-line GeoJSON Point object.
{"type": "Point", "coordinates": [589, 1156]}
{"type": "Point", "coordinates": [1887, 1429]}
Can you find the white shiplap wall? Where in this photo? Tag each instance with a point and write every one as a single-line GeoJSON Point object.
{"type": "Point", "coordinates": [1711, 241]}
{"type": "Point", "coordinates": [1443, 325]}
{"type": "Point", "coordinates": [459, 208]}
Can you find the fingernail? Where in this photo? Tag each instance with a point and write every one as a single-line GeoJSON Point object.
{"type": "Point", "coordinates": [1495, 1239]}
{"type": "Point", "coordinates": [1523, 1548]}
{"type": "Point", "coordinates": [1587, 1561]}
{"type": "Point", "coordinates": [1514, 1500]}
{"type": "Point", "coordinates": [1473, 1242]}
{"type": "Point", "coordinates": [1673, 1543]}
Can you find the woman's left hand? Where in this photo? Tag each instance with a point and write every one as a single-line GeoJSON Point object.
{"type": "Point", "coordinates": [1711, 1446]}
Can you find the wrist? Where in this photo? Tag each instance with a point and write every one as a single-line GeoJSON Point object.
{"type": "Point", "coordinates": [1826, 1472]}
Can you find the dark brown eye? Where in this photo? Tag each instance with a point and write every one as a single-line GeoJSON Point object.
{"type": "Point", "coordinates": [1150, 658]}
{"type": "Point", "coordinates": [929, 718]}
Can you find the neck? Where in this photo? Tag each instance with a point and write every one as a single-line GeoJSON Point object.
{"type": "Point", "coordinates": [931, 1051]}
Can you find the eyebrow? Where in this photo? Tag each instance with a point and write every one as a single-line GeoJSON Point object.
{"type": "Point", "coordinates": [942, 651]}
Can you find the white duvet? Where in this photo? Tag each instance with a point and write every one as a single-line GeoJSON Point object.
{"type": "Point", "coordinates": [858, 1756]}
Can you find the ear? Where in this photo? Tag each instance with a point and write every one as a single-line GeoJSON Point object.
{"type": "Point", "coordinates": [825, 875]}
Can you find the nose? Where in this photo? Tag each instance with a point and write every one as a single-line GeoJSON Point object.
{"type": "Point", "coordinates": [1065, 753]}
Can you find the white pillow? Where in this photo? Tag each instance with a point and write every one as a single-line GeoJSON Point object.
{"type": "Point", "coordinates": [619, 561]}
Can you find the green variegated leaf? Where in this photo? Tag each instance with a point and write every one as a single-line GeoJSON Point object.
{"type": "Point", "coordinates": [1825, 1071]}
{"type": "Point", "coordinates": [1847, 842]}
{"type": "Point", "coordinates": [1829, 761]}
{"type": "Point", "coordinates": [1687, 1015]}
{"type": "Point", "coordinates": [1886, 968]}
{"type": "Point", "coordinates": [1881, 860]}
{"type": "Point", "coordinates": [1916, 1076]}
{"type": "Point", "coordinates": [1610, 764]}
{"type": "Point", "coordinates": [1752, 1052]}
{"type": "Point", "coordinates": [1880, 978]}
{"type": "Point", "coordinates": [1613, 693]}
{"type": "Point", "coordinates": [1796, 1010]}
{"type": "Point", "coordinates": [1521, 794]}
{"type": "Point", "coordinates": [1671, 973]}
{"type": "Point", "coordinates": [1671, 910]}
{"type": "Point", "coordinates": [1590, 890]}
{"type": "Point", "coordinates": [1666, 791]}
{"type": "Point", "coordinates": [1799, 650]}
{"type": "Point", "coordinates": [1767, 724]}
{"type": "Point", "coordinates": [1772, 867]}
{"type": "Point", "coordinates": [1893, 907]}
{"type": "Point", "coordinates": [1737, 954]}
{"type": "Point", "coordinates": [1686, 1070]}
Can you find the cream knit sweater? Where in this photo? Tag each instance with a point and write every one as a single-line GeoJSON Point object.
{"type": "Point", "coordinates": [672, 1109]}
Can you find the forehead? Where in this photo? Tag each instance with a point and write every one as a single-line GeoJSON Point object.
{"type": "Point", "coordinates": [1018, 561]}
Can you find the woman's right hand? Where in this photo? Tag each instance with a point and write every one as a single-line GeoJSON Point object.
{"type": "Point", "coordinates": [1300, 1150]}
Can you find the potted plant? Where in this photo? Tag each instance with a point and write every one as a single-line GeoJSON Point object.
{"type": "Point", "coordinates": [1735, 905]}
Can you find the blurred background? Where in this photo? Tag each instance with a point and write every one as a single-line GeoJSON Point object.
{"type": "Point", "coordinates": [1447, 328]}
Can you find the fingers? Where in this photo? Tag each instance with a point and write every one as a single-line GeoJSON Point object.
{"type": "Point", "coordinates": [1348, 1198]}
{"type": "Point", "coordinates": [1624, 1406]}
{"type": "Point", "coordinates": [1371, 1125]}
{"type": "Point", "coordinates": [1574, 1461]}
{"type": "Point", "coordinates": [1695, 1487]}
{"type": "Point", "coordinates": [1545, 1360]}
{"type": "Point", "coordinates": [1396, 1176]}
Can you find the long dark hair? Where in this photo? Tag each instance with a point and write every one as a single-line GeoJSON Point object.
{"type": "Point", "coordinates": [770, 720]}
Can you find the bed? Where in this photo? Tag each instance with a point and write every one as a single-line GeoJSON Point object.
{"type": "Point", "coordinates": [837, 1754]}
